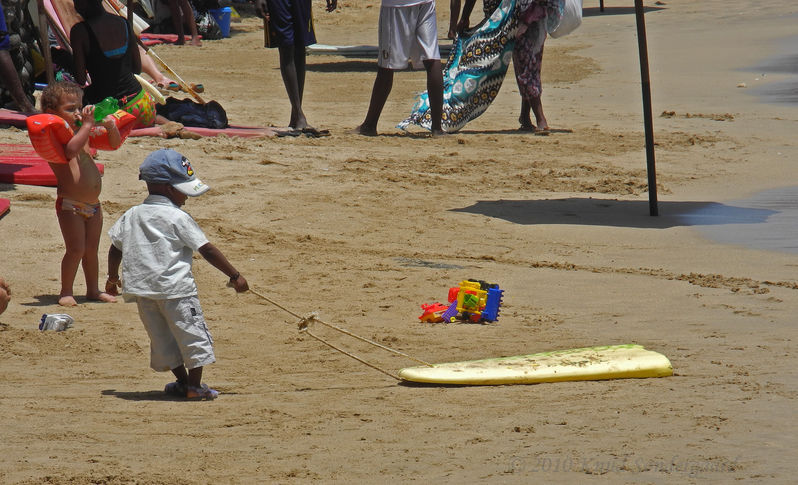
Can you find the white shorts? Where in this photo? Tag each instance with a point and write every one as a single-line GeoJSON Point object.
{"type": "Point", "coordinates": [408, 35]}
{"type": "Point", "coordinates": [178, 333]}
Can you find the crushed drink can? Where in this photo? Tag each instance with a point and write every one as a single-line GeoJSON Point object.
{"type": "Point", "coordinates": [56, 321]}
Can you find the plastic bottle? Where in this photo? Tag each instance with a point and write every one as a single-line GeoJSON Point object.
{"type": "Point", "coordinates": [105, 107]}
{"type": "Point", "coordinates": [56, 321]}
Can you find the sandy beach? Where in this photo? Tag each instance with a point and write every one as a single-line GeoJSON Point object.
{"type": "Point", "coordinates": [365, 230]}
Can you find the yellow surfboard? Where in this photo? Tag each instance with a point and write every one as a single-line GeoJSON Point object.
{"type": "Point", "coordinates": [590, 363]}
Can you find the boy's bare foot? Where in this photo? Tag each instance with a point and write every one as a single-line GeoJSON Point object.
{"type": "Point", "coordinates": [101, 296]}
{"type": "Point", "coordinates": [67, 300]}
{"type": "Point", "coordinates": [364, 130]}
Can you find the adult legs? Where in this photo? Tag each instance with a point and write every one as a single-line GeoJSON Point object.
{"type": "Point", "coordinates": [435, 93]}
{"type": "Point", "coordinates": [527, 62]}
{"type": "Point", "coordinates": [183, 15]}
{"type": "Point", "coordinates": [10, 77]}
{"type": "Point", "coordinates": [454, 17]}
{"type": "Point", "coordinates": [292, 69]}
{"type": "Point", "coordinates": [383, 84]}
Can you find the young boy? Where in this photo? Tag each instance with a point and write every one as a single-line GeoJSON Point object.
{"type": "Point", "coordinates": [79, 182]}
{"type": "Point", "coordinates": [408, 31]}
{"type": "Point", "coordinates": [154, 243]}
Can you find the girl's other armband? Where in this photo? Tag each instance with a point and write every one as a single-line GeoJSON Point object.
{"type": "Point", "coordinates": [98, 138]}
{"type": "Point", "coordinates": [49, 134]}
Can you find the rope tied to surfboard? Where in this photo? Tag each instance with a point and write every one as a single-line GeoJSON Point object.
{"type": "Point", "coordinates": [306, 321]}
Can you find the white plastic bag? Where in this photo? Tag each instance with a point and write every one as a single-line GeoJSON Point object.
{"type": "Point", "coordinates": [56, 321]}
{"type": "Point", "coordinates": [571, 19]}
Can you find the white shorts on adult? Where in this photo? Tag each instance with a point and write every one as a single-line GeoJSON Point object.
{"type": "Point", "coordinates": [408, 35]}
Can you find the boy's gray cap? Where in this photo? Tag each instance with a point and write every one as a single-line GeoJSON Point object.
{"type": "Point", "coordinates": [166, 166]}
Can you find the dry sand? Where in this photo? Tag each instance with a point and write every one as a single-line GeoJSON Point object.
{"type": "Point", "coordinates": [365, 230]}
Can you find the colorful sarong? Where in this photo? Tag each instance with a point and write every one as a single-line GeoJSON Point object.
{"type": "Point", "coordinates": [476, 67]}
{"type": "Point", "coordinates": [142, 106]}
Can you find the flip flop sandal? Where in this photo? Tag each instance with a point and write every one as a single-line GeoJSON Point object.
{"type": "Point", "coordinates": [173, 86]}
{"type": "Point", "coordinates": [203, 393]}
{"type": "Point", "coordinates": [176, 389]}
{"type": "Point", "coordinates": [198, 88]}
{"type": "Point", "coordinates": [314, 133]}
{"type": "Point", "coordinates": [282, 133]}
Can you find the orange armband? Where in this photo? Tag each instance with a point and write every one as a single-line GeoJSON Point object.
{"type": "Point", "coordinates": [98, 138]}
{"type": "Point", "coordinates": [49, 134]}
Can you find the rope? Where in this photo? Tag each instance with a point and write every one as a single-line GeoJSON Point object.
{"type": "Point", "coordinates": [304, 327]}
{"type": "Point", "coordinates": [349, 354]}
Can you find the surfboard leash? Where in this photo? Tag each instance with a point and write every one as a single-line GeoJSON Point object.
{"type": "Point", "coordinates": [304, 327]}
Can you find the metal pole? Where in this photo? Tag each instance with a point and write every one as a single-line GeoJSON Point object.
{"type": "Point", "coordinates": [647, 115]}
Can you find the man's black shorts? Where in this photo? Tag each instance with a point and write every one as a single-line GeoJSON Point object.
{"type": "Point", "coordinates": [290, 23]}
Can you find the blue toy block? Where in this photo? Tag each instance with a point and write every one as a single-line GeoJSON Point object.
{"type": "Point", "coordinates": [494, 300]}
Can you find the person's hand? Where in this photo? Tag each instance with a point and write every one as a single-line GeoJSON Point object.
{"type": "Point", "coordinates": [87, 115]}
{"type": "Point", "coordinates": [239, 283]}
{"type": "Point", "coordinates": [332, 5]}
{"type": "Point", "coordinates": [262, 8]}
{"type": "Point", "coordinates": [112, 286]}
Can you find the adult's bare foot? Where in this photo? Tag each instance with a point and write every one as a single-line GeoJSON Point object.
{"type": "Point", "coordinates": [364, 130]}
{"type": "Point", "coordinates": [526, 123]}
{"type": "Point", "coordinates": [67, 300]}
{"type": "Point", "coordinates": [101, 296]}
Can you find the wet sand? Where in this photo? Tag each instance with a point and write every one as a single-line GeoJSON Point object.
{"type": "Point", "coordinates": [365, 230]}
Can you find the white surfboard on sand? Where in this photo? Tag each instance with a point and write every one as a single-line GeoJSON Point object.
{"type": "Point", "coordinates": [358, 51]}
{"type": "Point", "coordinates": [591, 363]}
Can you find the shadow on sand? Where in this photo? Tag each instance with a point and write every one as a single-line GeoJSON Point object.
{"type": "Point", "coordinates": [617, 213]}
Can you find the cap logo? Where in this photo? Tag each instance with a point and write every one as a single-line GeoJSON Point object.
{"type": "Point", "coordinates": [187, 166]}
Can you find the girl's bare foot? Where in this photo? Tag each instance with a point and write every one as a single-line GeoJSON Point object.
{"type": "Point", "coordinates": [67, 300]}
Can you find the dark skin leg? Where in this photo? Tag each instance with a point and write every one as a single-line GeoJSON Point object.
{"type": "Point", "coordinates": [383, 84]}
{"type": "Point", "coordinates": [382, 88]}
{"type": "Point", "coordinates": [435, 93]}
{"type": "Point", "coordinates": [9, 77]}
{"type": "Point", "coordinates": [454, 14]}
{"type": "Point", "coordinates": [537, 109]}
{"type": "Point", "coordinates": [177, 21]}
{"type": "Point", "coordinates": [292, 69]}
{"type": "Point", "coordinates": [535, 106]}
{"type": "Point", "coordinates": [193, 377]}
